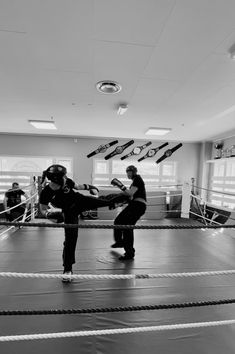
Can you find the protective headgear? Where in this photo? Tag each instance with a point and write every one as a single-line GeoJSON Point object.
{"type": "Point", "coordinates": [55, 173]}
{"type": "Point", "coordinates": [132, 168]}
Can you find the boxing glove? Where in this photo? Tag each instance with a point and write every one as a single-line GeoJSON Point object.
{"type": "Point", "coordinates": [92, 189]}
{"type": "Point", "coordinates": [55, 215]}
{"type": "Point", "coordinates": [115, 182]}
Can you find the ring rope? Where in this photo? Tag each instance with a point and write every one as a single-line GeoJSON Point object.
{"type": "Point", "coordinates": [16, 206]}
{"type": "Point", "coordinates": [165, 211]}
{"type": "Point", "coordinates": [5, 231]}
{"type": "Point", "coordinates": [195, 196]}
{"type": "Point", "coordinates": [214, 191]}
{"type": "Point", "coordinates": [153, 186]}
{"type": "Point", "coordinates": [115, 331]}
{"type": "Point", "coordinates": [24, 187]}
{"type": "Point", "coordinates": [12, 227]}
{"type": "Point", "coordinates": [163, 196]}
{"type": "Point", "coordinates": [156, 212]}
{"type": "Point", "coordinates": [116, 309]}
{"type": "Point", "coordinates": [19, 218]}
{"type": "Point", "coordinates": [222, 208]}
{"type": "Point", "coordinates": [204, 218]}
{"type": "Point", "coordinates": [115, 276]}
{"type": "Point", "coordinates": [103, 226]}
{"type": "Point", "coordinates": [206, 203]}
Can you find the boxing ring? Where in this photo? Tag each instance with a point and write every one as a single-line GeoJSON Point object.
{"type": "Point", "coordinates": [176, 296]}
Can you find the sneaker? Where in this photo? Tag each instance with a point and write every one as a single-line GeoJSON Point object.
{"type": "Point", "coordinates": [117, 245]}
{"type": "Point", "coordinates": [68, 278]}
{"type": "Point", "coordinates": [126, 257]}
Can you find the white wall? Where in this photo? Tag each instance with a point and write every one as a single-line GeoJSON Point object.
{"type": "Point", "coordinates": [187, 156]}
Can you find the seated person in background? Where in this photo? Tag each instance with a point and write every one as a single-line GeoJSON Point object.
{"type": "Point", "coordinates": [12, 198]}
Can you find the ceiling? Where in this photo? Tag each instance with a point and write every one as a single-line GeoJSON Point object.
{"type": "Point", "coordinates": [170, 57]}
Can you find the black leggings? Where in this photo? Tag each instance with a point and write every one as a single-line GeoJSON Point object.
{"type": "Point", "coordinates": [129, 216]}
{"type": "Point", "coordinates": [71, 213]}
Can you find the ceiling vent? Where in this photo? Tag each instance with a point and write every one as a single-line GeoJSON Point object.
{"type": "Point", "coordinates": [108, 87]}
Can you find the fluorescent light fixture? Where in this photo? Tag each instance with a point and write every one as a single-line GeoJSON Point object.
{"type": "Point", "coordinates": [43, 124]}
{"type": "Point", "coordinates": [157, 131]}
{"type": "Point", "coordinates": [122, 109]}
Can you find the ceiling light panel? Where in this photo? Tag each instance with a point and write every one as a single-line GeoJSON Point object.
{"type": "Point", "coordinates": [157, 131]}
{"type": "Point", "coordinates": [43, 124]}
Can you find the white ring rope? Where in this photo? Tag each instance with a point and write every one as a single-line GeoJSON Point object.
{"type": "Point", "coordinates": [162, 196]}
{"type": "Point", "coordinates": [5, 231]}
{"type": "Point", "coordinates": [148, 205]}
{"type": "Point", "coordinates": [24, 187]}
{"type": "Point", "coordinates": [204, 218]}
{"type": "Point", "coordinates": [115, 276]}
{"type": "Point", "coordinates": [16, 206]}
{"type": "Point", "coordinates": [155, 211]}
{"type": "Point", "coordinates": [115, 331]}
{"type": "Point", "coordinates": [196, 197]}
{"type": "Point", "coordinates": [205, 203]}
{"type": "Point", "coordinates": [26, 217]}
{"type": "Point", "coordinates": [213, 191]}
{"type": "Point", "coordinates": [33, 213]}
{"type": "Point", "coordinates": [153, 186]}
{"type": "Point", "coordinates": [222, 208]}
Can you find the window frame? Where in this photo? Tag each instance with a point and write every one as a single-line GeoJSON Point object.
{"type": "Point", "coordinates": [23, 177]}
{"type": "Point", "coordinates": [224, 183]}
{"type": "Point", "coordinates": [157, 180]}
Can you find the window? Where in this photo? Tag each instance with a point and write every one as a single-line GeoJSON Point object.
{"type": "Point", "coordinates": [24, 164]}
{"type": "Point", "coordinates": [21, 169]}
{"type": "Point", "coordinates": [101, 167]}
{"type": "Point", "coordinates": [223, 181]}
{"type": "Point", "coordinates": [100, 175]}
{"type": "Point", "coordinates": [154, 175]}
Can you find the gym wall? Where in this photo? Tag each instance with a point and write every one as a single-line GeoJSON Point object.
{"type": "Point", "coordinates": [188, 156]}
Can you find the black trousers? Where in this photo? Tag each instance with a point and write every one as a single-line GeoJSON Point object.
{"type": "Point", "coordinates": [79, 204]}
{"type": "Point", "coordinates": [70, 240]}
{"type": "Point", "coordinates": [129, 216]}
{"type": "Point", "coordinates": [15, 214]}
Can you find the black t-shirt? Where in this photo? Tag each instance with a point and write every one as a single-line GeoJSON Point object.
{"type": "Point", "coordinates": [60, 198]}
{"type": "Point", "coordinates": [139, 183]}
{"type": "Point", "coordinates": [14, 197]}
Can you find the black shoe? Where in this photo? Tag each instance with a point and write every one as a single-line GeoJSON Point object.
{"type": "Point", "coordinates": [126, 257]}
{"type": "Point", "coordinates": [117, 245]}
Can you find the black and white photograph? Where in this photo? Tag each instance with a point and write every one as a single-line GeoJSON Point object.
{"type": "Point", "coordinates": [117, 176]}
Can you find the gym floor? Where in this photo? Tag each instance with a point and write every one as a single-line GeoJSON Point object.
{"type": "Point", "coordinates": [157, 251]}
